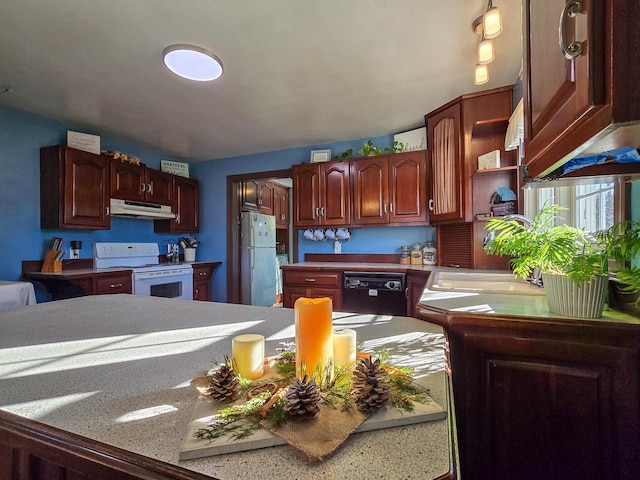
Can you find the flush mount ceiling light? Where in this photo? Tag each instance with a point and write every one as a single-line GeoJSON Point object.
{"type": "Point", "coordinates": [194, 63]}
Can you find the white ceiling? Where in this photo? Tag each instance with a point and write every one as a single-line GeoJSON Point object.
{"type": "Point", "coordinates": [296, 72]}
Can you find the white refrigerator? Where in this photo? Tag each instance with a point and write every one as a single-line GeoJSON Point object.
{"type": "Point", "coordinates": [258, 271]}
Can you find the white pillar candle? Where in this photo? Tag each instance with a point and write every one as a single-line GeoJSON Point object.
{"type": "Point", "coordinates": [344, 348]}
{"type": "Point", "coordinates": [247, 355]}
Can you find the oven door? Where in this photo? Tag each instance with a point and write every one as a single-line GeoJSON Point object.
{"type": "Point", "coordinates": [164, 283]}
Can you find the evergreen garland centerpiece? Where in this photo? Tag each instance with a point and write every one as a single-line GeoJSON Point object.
{"type": "Point", "coordinates": [278, 398]}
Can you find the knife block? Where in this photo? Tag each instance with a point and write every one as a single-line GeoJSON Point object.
{"type": "Point", "coordinates": [49, 263]}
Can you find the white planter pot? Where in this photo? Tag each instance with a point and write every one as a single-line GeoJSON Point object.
{"type": "Point", "coordinates": [189, 254]}
{"type": "Point", "coordinates": [565, 297]}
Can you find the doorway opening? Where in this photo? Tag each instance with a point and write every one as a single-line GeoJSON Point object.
{"type": "Point", "coordinates": [240, 191]}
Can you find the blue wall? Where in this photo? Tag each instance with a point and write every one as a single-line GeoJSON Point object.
{"type": "Point", "coordinates": [21, 136]}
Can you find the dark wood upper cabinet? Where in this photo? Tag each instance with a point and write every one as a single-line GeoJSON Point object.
{"type": "Point", "coordinates": [458, 132]}
{"type": "Point", "coordinates": [446, 179]}
{"type": "Point", "coordinates": [257, 196]}
{"type": "Point", "coordinates": [186, 206]}
{"type": "Point", "coordinates": [74, 189]}
{"type": "Point", "coordinates": [389, 189]}
{"type": "Point", "coordinates": [281, 206]}
{"type": "Point", "coordinates": [321, 194]}
{"type": "Point", "coordinates": [370, 190]}
{"type": "Point", "coordinates": [581, 104]}
{"type": "Point", "coordinates": [139, 183]}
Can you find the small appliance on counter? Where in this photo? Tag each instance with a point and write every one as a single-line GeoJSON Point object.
{"type": "Point", "coordinates": [74, 248]}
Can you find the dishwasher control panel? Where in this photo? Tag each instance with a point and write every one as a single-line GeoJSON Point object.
{"type": "Point", "coordinates": [374, 281]}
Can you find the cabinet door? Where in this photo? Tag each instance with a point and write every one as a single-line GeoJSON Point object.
{"type": "Point", "coordinates": [281, 206]}
{"type": "Point", "coordinates": [561, 93]}
{"type": "Point", "coordinates": [250, 195]}
{"type": "Point", "coordinates": [202, 290]}
{"type": "Point", "coordinates": [265, 197]}
{"type": "Point", "coordinates": [335, 194]}
{"type": "Point", "coordinates": [128, 181]}
{"type": "Point", "coordinates": [159, 187]}
{"type": "Point", "coordinates": [545, 406]}
{"type": "Point", "coordinates": [187, 195]}
{"type": "Point", "coordinates": [86, 190]}
{"type": "Point", "coordinates": [370, 190]}
{"type": "Point", "coordinates": [445, 165]}
{"type": "Point", "coordinates": [186, 206]}
{"type": "Point", "coordinates": [291, 294]}
{"type": "Point", "coordinates": [306, 195]}
{"type": "Point", "coordinates": [407, 187]}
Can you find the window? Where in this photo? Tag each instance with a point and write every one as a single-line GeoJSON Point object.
{"type": "Point", "coordinates": [592, 206]}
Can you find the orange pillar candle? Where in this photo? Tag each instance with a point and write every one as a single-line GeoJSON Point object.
{"type": "Point", "coordinates": [344, 348]}
{"type": "Point", "coordinates": [247, 355]}
{"type": "Point", "coordinates": [314, 338]}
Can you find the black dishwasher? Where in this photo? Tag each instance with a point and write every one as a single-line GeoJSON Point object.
{"type": "Point", "coordinates": [374, 292]}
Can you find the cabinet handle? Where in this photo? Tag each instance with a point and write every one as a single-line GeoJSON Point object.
{"type": "Point", "coordinates": [143, 187]}
{"type": "Point", "coordinates": [317, 211]}
{"type": "Point", "coordinates": [203, 274]}
{"type": "Point", "coordinates": [570, 10]}
{"type": "Point", "coordinates": [106, 211]}
{"type": "Point", "coordinates": [116, 285]}
{"type": "Point", "coordinates": [385, 208]}
{"type": "Point", "coordinates": [310, 280]}
{"type": "Point", "coordinates": [150, 188]}
{"type": "Point", "coordinates": [322, 211]}
{"type": "Point", "coordinates": [431, 204]}
{"type": "Point", "coordinates": [195, 294]}
{"type": "Point", "coordinates": [391, 207]}
{"type": "Point", "coordinates": [177, 218]}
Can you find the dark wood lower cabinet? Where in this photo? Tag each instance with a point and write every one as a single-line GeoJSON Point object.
{"type": "Point", "coordinates": [544, 399]}
{"type": "Point", "coordinates": [202, 276]}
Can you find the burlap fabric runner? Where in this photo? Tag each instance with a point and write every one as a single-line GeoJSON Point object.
{"type": "Point", "coordinates": [322, 435]}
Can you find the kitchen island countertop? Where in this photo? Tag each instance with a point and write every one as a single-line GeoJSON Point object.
{"type": "Point", "coordinates": [116, 368]}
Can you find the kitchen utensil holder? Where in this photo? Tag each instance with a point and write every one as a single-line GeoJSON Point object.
{"type": "Point", "coordinates": [50, 264]}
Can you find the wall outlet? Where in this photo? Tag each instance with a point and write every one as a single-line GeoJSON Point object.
{"type": "Point", "coordinates": [337, 247]}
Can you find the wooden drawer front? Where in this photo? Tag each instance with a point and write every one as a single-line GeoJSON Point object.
{"type": "Point", "coordinates": [105, 283]}
{"type": "Point", "coordinates": [201, 272]}
{"type": "Point", "coordinates": [313, 279]}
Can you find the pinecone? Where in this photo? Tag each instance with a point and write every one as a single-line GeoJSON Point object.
{"type": "Point", "coordinates": [224, 384]}
{"type": "Point", "coordinates": [302, 399]}
{"type": "Point", "coordinates": [369, 386]}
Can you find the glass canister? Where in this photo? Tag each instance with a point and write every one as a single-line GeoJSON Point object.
{"type": "Point", "coordinates": [429, 256]}
{"type": "Point", "coordinates": [404, 254]}
{"type": "Point", "coordinates": [416, 254]}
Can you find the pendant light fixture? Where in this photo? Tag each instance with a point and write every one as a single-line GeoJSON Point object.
{"type": "Point", "coordinates": [488, 26]}
{"type": "Point", "coordinates": [485, 52]}
{"type": "Point", "coordinates": [191, 62]}
{"type": "Point", "coordinates": [491, 22]}
{"type": "Point", "coordinates": [481, 74]}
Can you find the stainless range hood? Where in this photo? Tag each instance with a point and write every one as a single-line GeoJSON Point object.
{"type": "Point", "coordinates": [142, 210]}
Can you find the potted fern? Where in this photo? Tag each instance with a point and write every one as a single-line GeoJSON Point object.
{"type": "Point", "coordinates": [573, 263]}
{"type": "Point", "coordinates": [623, 247]}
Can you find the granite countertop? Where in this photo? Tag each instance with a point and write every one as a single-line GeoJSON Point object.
{"type": "Point", "coordinates": [513, 306]}
{"type": "Point", "coordinates": [360, 267]}
{"type": "Point", "coordinates": [76, 272]}
{"type": "Point", "coordinates": [116, 368]}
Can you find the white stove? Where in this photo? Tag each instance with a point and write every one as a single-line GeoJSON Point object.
{"type": "Point", "coordinates": [150, 277]}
